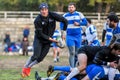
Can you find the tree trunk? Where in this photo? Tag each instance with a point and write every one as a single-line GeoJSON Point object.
{"type": "Point", "coordinates": [60, 7]}
{"type": "Point", "coordinates": [99, 9]}
{"type": "Point", "coordinates": [107, 8]}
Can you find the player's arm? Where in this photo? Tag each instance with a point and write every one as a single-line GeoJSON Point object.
{"type": "Point", "coordinates": [60, 18]}
{"type": "Point", "coordinates": [98, 59]}
{"type": "Point", "coordinates": [63, 23]}
{"type": "Point", "coordinates": [104, 32]}
{"type": "Point", "coordinates": [103, 35]}
{"type": "Point", "coordinates": [84, 21]}
{"type": "Point", "coordinates": [118, 65]}
{"type": "Point", "coordinates": [112, 41]}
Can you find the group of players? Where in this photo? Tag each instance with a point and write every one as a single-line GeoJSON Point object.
{"type": "Point", "coordinates": [94, 61]}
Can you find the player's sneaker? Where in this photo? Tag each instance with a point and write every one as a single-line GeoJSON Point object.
{"type": "Point", "coordinates": [37, 77]}
{"type": "Point", "coordinates": [50, 70]}
{"type": "Point", "coordinates": [57, 76]}
{"type": "Point", "coordinates": [58, 60]}
{"type": "Point", "coordinates": [25, 72]}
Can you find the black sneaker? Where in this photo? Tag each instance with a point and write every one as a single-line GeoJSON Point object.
{"type": "Point", "coordinates": [50, 70]}
{"type": "Point", "coordinates": [58, 60]}
{"type": "Point", "coordinates": [37, 77]}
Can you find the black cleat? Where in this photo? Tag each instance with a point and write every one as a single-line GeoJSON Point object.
{"type": "Point", "coordinates": [50, 70]}
{"type": "Point", "coordinates": [37, 77]}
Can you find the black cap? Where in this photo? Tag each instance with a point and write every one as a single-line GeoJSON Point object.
{"type": "Point", "coordinates": [43, 5]}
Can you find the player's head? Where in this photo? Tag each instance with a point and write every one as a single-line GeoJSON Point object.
{"type": "Point", "coordinates": [116, 49]}
{"type": "Point", "coordinates": [71, 7]}
{"type": "Point", "coordinates": [88, 21]}
{"type": "Point", "coordinates": [44, 9]}
{"type": "Point", "coordinates": [112, 20]}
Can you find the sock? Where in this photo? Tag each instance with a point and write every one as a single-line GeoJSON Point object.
{"type": "Point", "coordinates": [73, 73]}
{"type": "Point", "coordinates": [33, 63]}
{"type": "Point", "coordinates": [62, 68]}
{"type": "Point", "coordinates": [29, 61]}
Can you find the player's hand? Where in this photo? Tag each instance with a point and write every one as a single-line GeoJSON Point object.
{"type": "Point", "coordinates": [113, 64]}
{"type": "Point", "coordinates": [102, 44]}
{"type": "Point", "coordinates": [76, 24]}
{"type": "Point", "coordinates": [53, 40]}
{"type": "Point", "coordinates": [63, 37]}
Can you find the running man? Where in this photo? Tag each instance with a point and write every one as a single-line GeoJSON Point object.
{"type": "Point", "coordinates": [45, 25]}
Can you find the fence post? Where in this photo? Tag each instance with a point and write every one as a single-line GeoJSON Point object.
{"type": "Point", "coordinates": [99, 16]}
{"type": "Point", "coordinates": [31, 15]}
{"type": "Point", "coordinates": [5, 15]}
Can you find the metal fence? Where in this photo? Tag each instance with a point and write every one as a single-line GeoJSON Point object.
{"type": "Point", "coordinates": [33, 14]}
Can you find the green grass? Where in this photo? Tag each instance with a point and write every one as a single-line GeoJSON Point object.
{"type": "Point", "coordinates": [11, 66]}
{"type": "Point", "coordinates": [14, 74]}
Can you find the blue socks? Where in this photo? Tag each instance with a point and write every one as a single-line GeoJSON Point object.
{"type": "Point", "coordinates": [62, 68]}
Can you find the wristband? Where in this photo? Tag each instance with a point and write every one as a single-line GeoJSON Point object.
{"type": "Point", "coordinates": [108, 63]}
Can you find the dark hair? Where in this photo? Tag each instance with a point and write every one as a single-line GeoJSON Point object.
{"type": "Point", "coordinates": [89, 20]}
{"type": "Point", "coordinates": [116, 46]}
{"type": "Point", "coordinates": [113, 17]}
{"type": "Point", "coordinates": [112, 13]}
{"type": "Point", "coordinates": [72, 4]}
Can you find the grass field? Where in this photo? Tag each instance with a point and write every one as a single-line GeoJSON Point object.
{"type": "Point", "coordinates": [10, 66]}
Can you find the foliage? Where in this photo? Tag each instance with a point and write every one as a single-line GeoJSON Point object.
{"type": "Point", "coordinates": [54, 5]}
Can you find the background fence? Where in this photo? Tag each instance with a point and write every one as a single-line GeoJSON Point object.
{"type": "Point", "coordinates": [15, 21]}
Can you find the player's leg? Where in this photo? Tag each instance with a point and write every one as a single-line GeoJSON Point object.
{"type": "Point", "coordinates": [78, 42]}
{"type": "Point", "coordinates": [95, 72]}
{"type": "Point", "coordinates": [54, 47]}
{"type": "Point", "coordinates": [58, 54]}
{"type": "Point", "coordinates": [71, 46]}
{"type": "Point", "coordinates": [55, 54]}
{"type": "Point", "coordinates": [82, 58]}
{"type": "Point", "coordinates": [44, 51]}
{"type": "Point", "coordinates": [32, 60]}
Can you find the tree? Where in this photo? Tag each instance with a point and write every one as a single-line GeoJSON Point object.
{"type": "Point", "coordinates": [99, 4]}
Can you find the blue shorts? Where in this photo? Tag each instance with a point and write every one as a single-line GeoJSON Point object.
{"type": "Point", "coordinates": [95, 43]}
{"type": "Point", "coordinates": [54, 45]}
{"type": "Point", "coordinates": [95, 72]}
{"type": "Point", "coordinates": [73, 40]}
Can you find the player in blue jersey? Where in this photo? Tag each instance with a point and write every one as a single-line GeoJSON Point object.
{"type": "Point", "coordinates": [56, 49]}
{"type": "Point", "coordinates": [114, 23]}
{"type": "Point", "coordinates": [73, 37]}
{"type": "Point", "coordinates": [91, 34]}
{"type": "Point", "coordinates": [107, 32]}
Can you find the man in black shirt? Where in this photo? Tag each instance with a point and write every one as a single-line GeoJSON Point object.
{"type": "Point", "coordinates": [104, 59]}
{"type": "Point", "coordinates": [45, 24]}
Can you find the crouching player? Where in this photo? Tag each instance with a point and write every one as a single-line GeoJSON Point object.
{"type": "Point", "coordinates": [103, 55]}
